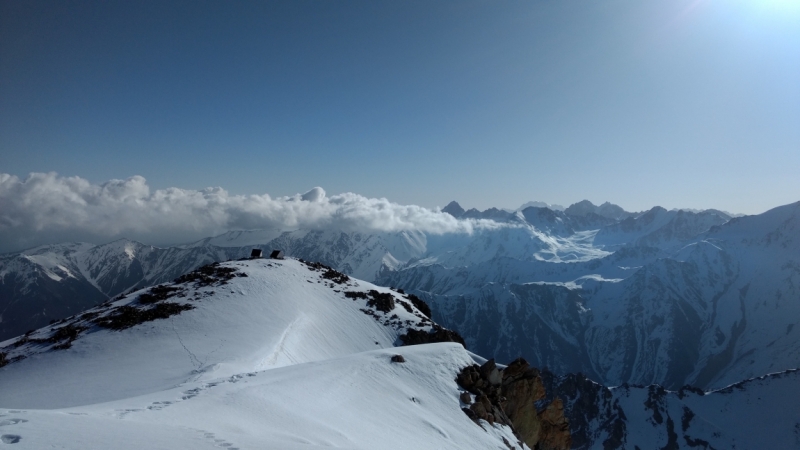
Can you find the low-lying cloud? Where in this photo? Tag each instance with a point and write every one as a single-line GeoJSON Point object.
{"type": "Point", "coordinates": [48, 208]}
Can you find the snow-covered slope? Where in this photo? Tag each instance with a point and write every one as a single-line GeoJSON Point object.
{"type": "Point", "coordinates": [720, 309]}
{"type": "Point", "coordinates": [280, 313]}
{"type": "Point", "coordinates": [607, 209]}
{"type": "Point", "coordinates": [356, 401]}
{"type": "Point", "coordinates": [247, 354]}
{"type": "Point", "coordinates": [358, 254]}
{"type": "Point", "coordinates": [289, 354]}
{"type": "Point", "coordinates": [538, 204]}
{"type": "Point", "coordinates": [53, 281]}
{"type": "Point", "coordinates": [759, 413]}
{"type": "Point", "coordinates": [658, 228]}
{"type": "Point", "coordinates": [42, 284]}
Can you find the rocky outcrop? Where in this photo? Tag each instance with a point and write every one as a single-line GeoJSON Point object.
{"type": "Point", "coordinates": [510, 396]}
{"type": "Point", "coordinates": [554, 426]}
{"type": "Point", "coordinates": [436, 334]}
{"type": "Point", "coordinates": [590, 408]}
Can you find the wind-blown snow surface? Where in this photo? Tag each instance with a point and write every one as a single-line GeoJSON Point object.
{"type": "Point", "coordinates": [279, 358]}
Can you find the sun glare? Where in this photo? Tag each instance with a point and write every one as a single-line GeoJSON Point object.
{"type": "Point", "coordinates": [778, 6]}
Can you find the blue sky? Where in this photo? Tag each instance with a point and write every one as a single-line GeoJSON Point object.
{"type": "Point", "coordinates": [691, 103]}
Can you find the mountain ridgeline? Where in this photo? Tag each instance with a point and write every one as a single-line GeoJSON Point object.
{"type": "Point", "coordinates": [685, 298]}
{"type": "Point", "coordinates": [665, 297]}
{"type": "Point", "coordinates": [673, 308]}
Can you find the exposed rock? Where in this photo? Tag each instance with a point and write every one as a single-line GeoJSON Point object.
{"type": "Point", "coordinates": [464, 397]}
{"type": "Point", "coordinates": [454, 209]}
{"type": "Point", "coordinates": [554, 427]}
{"type": "Point", "coordinates": [398, 359]}
{"type": "Point", "coordinates": [587, 402]}
{"type": "Point", "coordinates": [335, 276]}
{"type": "Point", "coordinates": [437, 334]}
{"type": "Point", "coordinates": [68, 332]}
{"type": "Point", "coordinates": [490, 372]}
{"type": "Point", "coordinates": [419, 304]}
{"type": "Point", "coordinates": [522, 387]}
{"type": "Point", "coordinates": [482, 407]}
{"type": "Point", "coordinates": [127, 316]}
{"type": "Point", "coordinates": [470, 414]}
{"type": "Point", "coordinates": [208, 275]}
{"type": "Point", "coordinates": [509, 397]}
{"type": "Point", "coordinates": [64, 336]}
{"type": "Point", "coordinates": [158, 293]}
{"type": "Point", "coordinates": [382, 301]}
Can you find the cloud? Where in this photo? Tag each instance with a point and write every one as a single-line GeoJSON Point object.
{"type": "Point", "coordinates": [48, 208]}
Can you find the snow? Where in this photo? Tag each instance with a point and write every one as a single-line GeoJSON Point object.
{"type": "Point", "coordinates": [241, 238]}
{"type": "Point", "coordinates": [538, 204]}
{"type": "Point", "coordinates": [52, 266]}
{"type": "Point", "coordinates": [708, 310]}
{"type": "Point", "coordinates": [356, 401]}
{"type": "Point", "coordinates": [276, 359]}
{"type": "Point", "coordinates": [621, 311]}
{"type": "Point", "coordinates": [754, 414]}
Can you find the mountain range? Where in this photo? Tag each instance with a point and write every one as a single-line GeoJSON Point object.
{"type": "Point", "coordinates": [293, 354]}
{"type": "Point", "coordinates": [659, 297]}
{"type": "Point", "coordinates": [687, 301]}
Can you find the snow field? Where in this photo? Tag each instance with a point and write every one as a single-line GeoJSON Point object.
{"type": "Point", "coordinates": [277, 359]}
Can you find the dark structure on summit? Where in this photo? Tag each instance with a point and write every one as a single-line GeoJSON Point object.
{"type": "Point", "coordinates": [276, 254]}
{"type": "Point", "coordinates": [256, 253]}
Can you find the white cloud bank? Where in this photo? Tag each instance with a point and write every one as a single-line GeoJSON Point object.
{"type": "Point", "coordinates": [48, 208]}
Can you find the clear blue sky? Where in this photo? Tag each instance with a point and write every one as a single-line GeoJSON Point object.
{"type": "Point", "coordinates": [686, 103]}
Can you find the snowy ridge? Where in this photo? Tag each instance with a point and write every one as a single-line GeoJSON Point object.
{"type": "Point", "coordinates": [251, 354]}
{"type": "Point", "coordinates": [659, 228]}
{"type": "Point", "coordinates": [291, 309]}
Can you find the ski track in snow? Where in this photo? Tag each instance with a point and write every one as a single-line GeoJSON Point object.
{"type": "Point", "coordinates": [272, 360]}
{"type": "Point", "coordinates": [192, 358]}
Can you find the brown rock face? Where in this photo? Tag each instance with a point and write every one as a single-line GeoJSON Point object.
{"type": "Point", "coordinates": [509, 397]}
{"type": "Point", "coordinates": [554, 428]}
{"type": "Point", "coordinates": [522, 387]}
